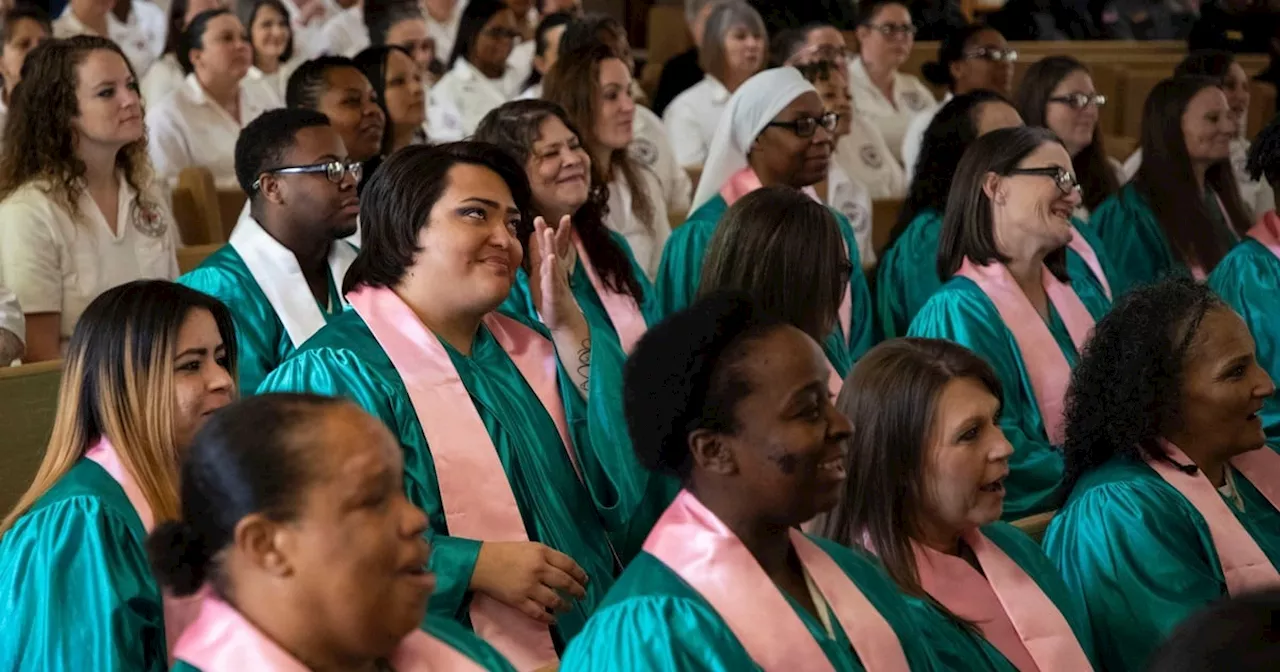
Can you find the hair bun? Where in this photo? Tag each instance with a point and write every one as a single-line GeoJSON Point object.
{"type": "Point", "coordinates": [179, 557]}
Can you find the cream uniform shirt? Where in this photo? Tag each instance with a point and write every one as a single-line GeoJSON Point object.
{"type": "Point", "coordinates": [457, 103]}
{"type": "Point", "coordinates": [141, 37]}
{"type": "Point", "coordinates": [308, 38]}
{"type": "Point", "coordinates": [864, 156]}
{"type": "Point", "coordinates": [57, 263]}
{"type": "Point", "coordinates": [646, 240]}
{"type": "Point", "coordinates": [692, 118]}
{"type": "Point", "coordinates": [277, 81]}
{"type": "Point", "coordinates": [344, 34]}
{"type": "Point", "coordinates": [446, 33]}
{"type": "Point", "coordinates": [189, 129]}
{"type": "Point", "coordinates": [891, 118]}
{"type": "Point", "coordinates": [164, 77]}
{"type": "Point", "coordinates": [914, 137]}
{"type": "Point", "coordinates": [851, 199]}
{"type": "Point", "coordinates": [11, 317]}
{"type": "Point", "coordinates": [651, 148]}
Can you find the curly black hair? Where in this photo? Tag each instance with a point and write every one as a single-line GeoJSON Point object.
{"type": "Point", "coordinates": [686, 374]}
{"type": "Point", "coordinates": [1122, 392]}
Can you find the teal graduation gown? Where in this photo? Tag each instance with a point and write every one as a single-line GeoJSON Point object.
{"type": "Point", "coordinates": [446, 630]}
{"type": "Point", "coordinates": [580, 520]}
{"type": "Point", "coordinates": [76, 591]}
{"type": "Point", "coordinates": [680, 272]}
{"type": "Point", "coordinates": [653, 620]}
{"type": "Point", "coordinates": [1141, 556]}
{"type": "Point", "coordinates": [1248, 279]}
{"type": "Point", "coordinates": [261, 339]}
{"type": "Point", "coordinates": [908, 272]}
{"type": "Point", "coordinates": [962, 313]}
{"type": "Point", "coordinates": [961, 649]}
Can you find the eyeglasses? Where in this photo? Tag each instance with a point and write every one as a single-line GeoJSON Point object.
{"type": "Point", "coordinates": [891, 30]}
{"type": "Point", "coordinates": [1079, 101]}
{"type": "Point", "coordinates": [1062, 177]}
{"type": "Point", "coordinates": [993, 54]}
{"type": "Point", "coordinates": [805, 127]}
{"type": "Point", "coordinates": [335, 171]}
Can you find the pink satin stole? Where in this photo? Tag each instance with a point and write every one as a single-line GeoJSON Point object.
{"type": "Point", "coordinates": [1267, 232]}
{"type": "Point", "coordinates": [746, 181]}
{"type": "Point", "coordinates": [696, 545]}
{"type": "Point", "coordinates": [474, 490]}
{"type": "Point", "coordinates": [179, 612]}
{"type": "Point", "coordinates": [1245, 566]}
{"type": "Point", "coordinates": [1046, 365]}
{"type": "Point", "coordinates": [1090, 257]}
{"type": "Point", "coordinates": [1007, 605]}
{"type": "Point", "coordinates": [623, 312]}
{"type": "Point", "coordinates": [222, 640]}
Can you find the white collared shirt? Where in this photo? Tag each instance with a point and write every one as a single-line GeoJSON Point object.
{"type": "Point", "coordinates": [651, 148]}
{"type": "Point", "coordinates": [308, 38]}
{"type": "Point", "coordinates": [11, 317]}
{"type": "Point", "coordinates": [520, 64]}
{"type": "Point", "coordinates": [344, 33]}
{"type": "Point", "coordinates": [692, 119]}
{"type": "Point", "coordinates": [646, 242]}
{"type": "Point", "coordinates": [864, 156]}
{"type": "Point", "coordinates": [850, 198]}
{"type": "Point", "coordinates": [461, 98]}
{"type": "Point", "coordinates": [277, 81]}
{"type": "Point", "coordinates": [190, 129]}
{"type": "Point", "coordinates": [59, 264]}
{"type": "Point", "coordinates": [891, 118]}
{"type": "Point", "coordinates": [141, 36]}
{"type": "Point", "coordinates": [445, 34]}
{"type": "Point", "coordinates": [164, 77]}
{"type": "Point", "coordinates": [914, 136]}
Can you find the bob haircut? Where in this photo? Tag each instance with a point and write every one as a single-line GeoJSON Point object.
{"type": "Point", "coordinates": [785, 250]}
{"type": "Point", "coordinates": [474, 18]}
{"type": "Point", "coordinates": [722, 20]}
{"type": "Point", "coordinates": [277, 5]}
{"type": "Point", "coordinates": [117, 384]}
{"type": "Point", "coordinates": [968, 226]}
{"type": "Point", "coordinates": [398, 200]}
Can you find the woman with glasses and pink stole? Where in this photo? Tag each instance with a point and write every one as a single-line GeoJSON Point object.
{"type": "Point", "coordinates": [1174, 498]}
{"type": "Point", "coordinates": [507, 425]}
{"type": "Point", "coordinates": [1014, 295]}
{"type": "Point", "coordinates": [984, 592]}
{"type": "Point", "coordinates": [734, 403]}
{"type": "Point", "coordinates": [775, 133]}
{"type": "Point", "coordinates": [294, 515]}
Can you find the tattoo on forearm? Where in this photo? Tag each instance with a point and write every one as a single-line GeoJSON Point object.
{"type": "Point", "coordinates": [584, 364]}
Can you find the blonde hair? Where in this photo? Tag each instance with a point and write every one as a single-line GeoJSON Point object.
{"type": "Point", "coordinates": [118, 384]}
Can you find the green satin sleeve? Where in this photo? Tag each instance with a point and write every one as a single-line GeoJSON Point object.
{"type": "Point", "coordinates": [76, 592]}
{"type": "Point", "coordinates": [261, 340]}
{"type": "Point", "coordinates": [1248, 279]}
{"type": "Point", "coordinates": [961, 313]}
{"type": "Point", "coordinates": [180, 666]}
{"type": "Point", "coordinates": [957, 648]}
{"type": "Point", "coordinates": [908, 274]}
{"type": "Point", "coordinates": [680, 268]}
{"type": "Point", "coordinates": [1133, 241]}
{"type": "Point", "coordinates": [467, 643]}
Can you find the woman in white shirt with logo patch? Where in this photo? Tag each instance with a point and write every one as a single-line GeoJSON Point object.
{"type": "Point", "coordinates": [479, 79]}
{"type": "Point", "coordinates": [888, 98]}
{"type": "Point", "coordinates": [79, 212]}
{"type": "Point", "coordinates": [140, 33]}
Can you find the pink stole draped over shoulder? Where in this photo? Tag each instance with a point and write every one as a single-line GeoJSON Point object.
{"type": "Point", "coordinates": [179, 612]}
{"type": "Point", "coordinates": [1090, 257]}
{"type": "Point", "coordinates": [1046, 366]}
{"type": "Point", "coordinates": [1006, 604]}
{"type": "Point", "coordinates": [223, 640]}
{"type": "Point", "coordinates": [691, 541]}
{"type": "Point", "coordinates": [475, 493]}
{"type": "Point", "coordinates": [1267, 232]}
{"type": "Point", "coordinates": [1245, 566]}
{"type": "Point", "coordinates": [622, 309]}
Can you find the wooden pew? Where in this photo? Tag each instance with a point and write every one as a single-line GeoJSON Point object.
{"type": "Point", "coordinates": [193, 255]}
{"type": "Point", "coordinates": [30, 394]}
{"type": "Point", "coordinates": [205, 214]}
{"type": "Point", "coordinates": [1034, 526]}
{"type": "Point", "coordinates": [884, 215]}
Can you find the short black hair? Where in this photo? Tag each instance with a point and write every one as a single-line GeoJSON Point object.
{"type": "Point", "coordinates": [193, 36]}
{"type": "Point", "coordinates": [21, 12]}
{"type": "Point", "coordinates": [785, 44]}
{"type": "Point", "coordinates": [279, 7]}
{"type": "Point", "coordinates": [381, 15]}
{"type": "Point", "coordinates": [1264, 154]}
{"type": "Point", "coordinates": [951, 50]}
{"type": "Point", "coordinates": [477, 13]}
{"type": "Point", "coordinates": [307, 83]}
{"type": "Point", "coordinates": [1241, 634]}
{"type": "Point", "coordinates": [264, 141]}
{"type": "Point", "coordinates": [397, 201]}
{"type": "Point", "coordinates": [583, 32]}
{"type": "Point", "coordinates": [1205, 63]}
{"type": "Point", "coordinates": [685, 374]}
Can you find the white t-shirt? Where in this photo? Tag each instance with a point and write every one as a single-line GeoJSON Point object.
{"type": "Point", "coordinates": [461, 98]}
{"type": "Point", "coordinates": [141, 37]}
{"type": "Point", "coordinates": [692, 118]}
{"type": "Point", "coordinates": [57, 264]}
{"type": "Point", "coordinates": [864, 156]}
{"type": "Point", "coordinates": [891, 118]}
{"type": "Point", "coordinates": [190, 129]}
{"type": "Point", "coordinates": [344, 33]}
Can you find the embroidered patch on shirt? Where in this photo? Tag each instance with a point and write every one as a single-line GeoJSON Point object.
{"type": "Point", "coordinates": [644, 151]}
{"type": "Point", "coordinates": [871, 156]}
{"type": "Point", "coordinates": [147, 220]}
{"type": "Point", "coordinates": [914, 100]}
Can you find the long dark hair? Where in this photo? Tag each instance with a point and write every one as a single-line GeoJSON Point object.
{"type": "Point", "coordinates": [1097, 176]}
{"type": "Point", "coordinates": [515, 127]}
{"type": "Point", "coordinates": [785, 250]}
{"type": "Point", "coordinates": [477, 13]}
{"type": "Point", "coordinates": [176, 22]}
{"type": "Point", "coordinates": [892, 399]}
{"type": "Point", "coordinates": [548, 23]}
{"type": "Point", "coordinates": [968, 228]}
{"type": "Point", "coordinates": [1167, 180]}
{"type": "Point", "coordinates": [372, 63]}
{"type": "Point", "coordinates": [951, 132]}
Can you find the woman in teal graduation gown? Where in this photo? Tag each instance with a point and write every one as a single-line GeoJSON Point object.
{"type": "Point", "coordinates": [147, 362]}
{"type": "Point", "coordinates": [754, 250]}
{"type": "Point", "coordinates": [1015, 296]}
{"type": "Point", "coordinates": [1182, 211]}
{"type": "Point", "coordinates": [982, 589]}
{"type": "Point", "coordinates": [1248, 278]}
{"type": "Point", "coordinates": [734, 402]}
{"type": "Point", "coordinates": [294, 514]}
{"type": "Point", "coordinates": [510, 438]}
{"type": "Point", "coordinates": [1172, 495]}
{"type": "Point", "coordinates": [774, 132]}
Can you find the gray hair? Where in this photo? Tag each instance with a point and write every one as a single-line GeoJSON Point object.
{"type": "Point", "coordinates": [724, 18]}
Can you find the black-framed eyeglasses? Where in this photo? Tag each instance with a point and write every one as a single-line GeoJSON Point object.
{"type": "Point", "coordinates": [993, 54]}
{"type": "Point", "coordinates": [893, 29]}
{"type": "Point", "coordinates": [1063, 178]}
{"type": "Point", "coordinates": [335, 171]}
{"type": "Point", "coordinates": [805, 127]}
{"type": "Point", "coordinates": [1079, 101]}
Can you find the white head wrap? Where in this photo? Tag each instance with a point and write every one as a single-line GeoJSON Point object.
{"type": "Point", "coordinates": [749, 111]}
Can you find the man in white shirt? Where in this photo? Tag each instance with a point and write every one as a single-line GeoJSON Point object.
{"type": "Point", "coordinates": [140, 33]}
{"type": "Point", "coordinates": [13, 327]}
